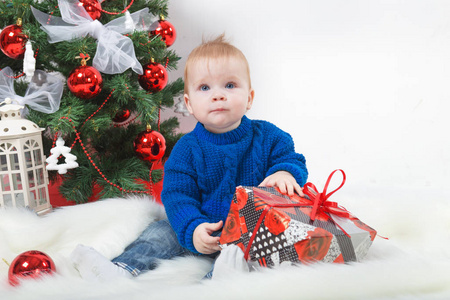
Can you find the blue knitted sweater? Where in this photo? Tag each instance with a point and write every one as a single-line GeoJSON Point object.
{"type": "Point", "coordinates": [204, 169]}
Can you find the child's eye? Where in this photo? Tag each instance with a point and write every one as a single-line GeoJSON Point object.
{"type": "Point", "coordinates": [204, 87]}
{"type": "Point", "coordinates": [229, 85]}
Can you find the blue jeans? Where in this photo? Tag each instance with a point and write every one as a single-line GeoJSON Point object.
{"type": "Point", "coordinates": [157, 241]}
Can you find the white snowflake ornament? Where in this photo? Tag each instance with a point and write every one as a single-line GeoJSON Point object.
{"type": "Point", "coordinates": [58, 150]}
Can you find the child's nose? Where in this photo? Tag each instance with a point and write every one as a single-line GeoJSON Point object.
{"type": "Point", "coordinates": [219, 97]}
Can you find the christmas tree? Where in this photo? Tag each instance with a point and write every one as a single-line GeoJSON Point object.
{"type": "Point", "coordinates": [112, 58]}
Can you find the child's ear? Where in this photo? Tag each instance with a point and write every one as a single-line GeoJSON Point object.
{"type": "Point", "coordinates": [251, 95]}
{"type": "Point", "coordinates": [188, 104]}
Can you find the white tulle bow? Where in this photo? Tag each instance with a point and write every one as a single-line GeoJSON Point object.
{"type": "Point", "coordinates": [43, 93]}
{"type": "Point", "coordinates": [115, 52]}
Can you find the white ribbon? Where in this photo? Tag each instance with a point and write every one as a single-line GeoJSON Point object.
{"type": "Point", "coordinates": [115, 52]}
{"type": "Point", "coordinates": [43, 93]}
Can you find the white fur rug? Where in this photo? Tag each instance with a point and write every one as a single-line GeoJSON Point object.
{"type": "Point", "coordinates": [413, 264]}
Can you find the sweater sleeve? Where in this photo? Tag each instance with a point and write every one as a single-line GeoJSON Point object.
{"type": "Point", "coordinates": [181, 196]}
{"type": "Point", "coordinates": [282, 156]}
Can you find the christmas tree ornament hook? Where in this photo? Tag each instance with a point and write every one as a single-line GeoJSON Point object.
{"type": "Point", "coordinates": [84, 58]}
{"type": "Point", "coordinates": [6, 262]}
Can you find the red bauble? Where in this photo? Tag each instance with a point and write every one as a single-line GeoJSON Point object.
{"type": "Point", "coordinates": [85, 82]}
{"type": "Point", "coordinates": [164, 29]}
{"type": "Point", "coordinates": [122, 116]}
{"type": "Point", "coordinates": [92, 7]}
{"type": "Point", "coordinates": [154, 78]}
{"type": "Point", "coordinates": [149, 145]}
{"type": "Point", "coordinates": [12, 41]}
{"type": "Point", "coordinates": [30, 264]}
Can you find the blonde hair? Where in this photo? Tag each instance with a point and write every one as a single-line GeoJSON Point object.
{"type": "Point", "coordinates": [217, 48]}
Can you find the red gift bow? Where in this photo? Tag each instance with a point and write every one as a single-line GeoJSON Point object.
{"type": "Point", "coordinates": [320, 203]}
{"type": "Point", "coordinates": [320, 200]}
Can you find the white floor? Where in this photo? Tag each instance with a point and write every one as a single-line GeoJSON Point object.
{"type": "Point", "coordinates": [412, 264]}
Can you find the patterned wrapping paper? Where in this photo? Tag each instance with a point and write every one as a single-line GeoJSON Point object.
{"type": "Point", "coordinates": [272, 228]}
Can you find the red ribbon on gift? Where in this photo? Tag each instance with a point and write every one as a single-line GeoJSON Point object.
{"type": "Point", "coordinates": [320, 200]}
{"type": "Point", "coordinates": [320, 204]}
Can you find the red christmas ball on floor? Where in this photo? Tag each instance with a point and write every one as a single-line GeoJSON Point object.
{"type": "Point", "coordinates": [154, 78]}
{"type": "Point", "coordinates": [165, 30]}
{"type": "Point", "coordinates": [30, 264]}
{"type": "Point", "coordinates": [93, 8]}
{"type": "Point", "coordinates": [150, 145]}
{"type": "Point", "coordinates": [12, 41]}
{"type": "Point", "coordinates": [85, 82]}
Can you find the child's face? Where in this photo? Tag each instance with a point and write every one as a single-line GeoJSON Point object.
{"type": "Point", "coordinates": [218, 93]}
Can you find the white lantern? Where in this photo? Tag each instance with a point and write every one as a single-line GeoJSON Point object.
{"type": "Point", "coordinates": [24, 179]}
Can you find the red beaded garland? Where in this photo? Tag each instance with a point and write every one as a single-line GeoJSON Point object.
{"type": "Point", "coordinates": [78, 138]}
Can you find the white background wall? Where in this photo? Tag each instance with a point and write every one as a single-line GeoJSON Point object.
{"type": "Point", "coordinates": [361, 85]}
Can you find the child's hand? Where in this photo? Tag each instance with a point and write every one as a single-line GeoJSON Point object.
{"type": "Point", "coordinates": [203, 241]}
{"type": "Point", "coordinates": [284, 181]}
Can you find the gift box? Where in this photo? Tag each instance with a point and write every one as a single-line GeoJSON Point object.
{"type": "Point", "coordinates": [272, 228]}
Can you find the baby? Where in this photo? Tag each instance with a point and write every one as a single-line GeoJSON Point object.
{"type": "Point", "coordinates": [226, 149]}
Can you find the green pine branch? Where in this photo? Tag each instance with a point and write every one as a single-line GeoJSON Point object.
{"type": "Point", "coordinates": [107, 145]}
